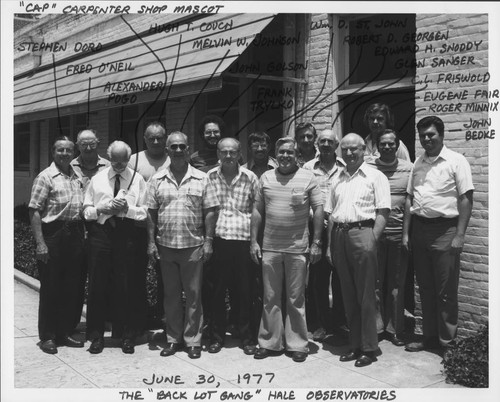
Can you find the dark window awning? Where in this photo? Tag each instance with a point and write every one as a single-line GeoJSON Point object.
{"type": "Point", "coordinates": [151, 65]}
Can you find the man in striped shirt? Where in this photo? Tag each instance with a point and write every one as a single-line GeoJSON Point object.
{"type": "Point", "coordinates": [181, 207]}
{"type": "Point", "coordinates": [359, 204]}
{"type": "Point", "coordinates": [235, 187]}
{"type": "Point", "coordinates": [286, 195]}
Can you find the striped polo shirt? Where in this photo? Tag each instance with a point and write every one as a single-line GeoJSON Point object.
{"type": "Point", "coordinates": [287, 200]}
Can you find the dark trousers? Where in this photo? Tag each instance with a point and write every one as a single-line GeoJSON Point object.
{"type": "Point", "coordinates": [60, 279]}
{"type": "Point", "coordinates": [321, 276]}
{"type": "Point", "coordinates": [391, 280]}
{"type": "Point", "coordinates": [355, 256]}
{"type": "Point", "coordinates": [437, 268]}
{"type": "Point", "coordinates": [232, 268]}
{"type": "Point", "coordinates": [117, 266]}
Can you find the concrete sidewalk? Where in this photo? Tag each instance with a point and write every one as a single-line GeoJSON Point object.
{"type": "Point", "coordinates": [230, 369]}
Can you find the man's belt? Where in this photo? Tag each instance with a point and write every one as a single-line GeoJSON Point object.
{"type": "Point", "coordinates": [439, 219]}
{"type": "Point", "coordinates": [346, 226]}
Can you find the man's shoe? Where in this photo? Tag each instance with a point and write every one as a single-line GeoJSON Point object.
{"type": "Point", "coordinates": [425, 344]}
{"type": "Point", "coordinates": [350, 356]}
{"type": "Point", "coordinates": [49, 347]}
{"type": "Point", "coordinates": [171, 349]}
{"type": "Point", "coordinates": [215, 347]}
{"type": "Point", "coordinates": [299, 357]}
{"type": "Point", "coordinates": [97, 346]}
{"type": "Point", "coordinates": [128, 346]}
{"type": "Point", "coordinates": [194, 352]}
{"type": "Point", "coordinates": [262, 353]}
{"type": "Point", "coordinates": [365, 359]}
{"type": "Point", "coordinates": [395, 340]}
{"type": "Point", "coordinates": [250, 349]}
{"type": "Point", "coordinates": [319, 335]}
{"type": "Point", "coordinates": [70, 342]}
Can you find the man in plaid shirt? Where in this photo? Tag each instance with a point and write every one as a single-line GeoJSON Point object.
{"type": "Point", "coordinates": [55, 212]}
{"type": "Point", "coordinates": [181, 216]}
{"type": "Point", "coordinates": [236, 188]}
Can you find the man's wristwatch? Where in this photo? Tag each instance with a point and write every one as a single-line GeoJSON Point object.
{"type": "Point", "coordinates": [317, 243]}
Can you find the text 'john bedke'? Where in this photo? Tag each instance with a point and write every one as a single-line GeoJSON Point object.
{"type": "Point", "coordinates": [80, 47]}
{"type": "Point", "coordinates": [103, 68]}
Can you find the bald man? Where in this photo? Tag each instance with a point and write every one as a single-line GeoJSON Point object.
{"type": "Point", "coordinates": [324, 166]}
{"type": "Point", "coordinates": [236, 188]}
{"type": "Point", "coordinates": [359, 204]}
{"type": "Point", "coordinates": [114, 201]}
{"type": "Point", "coordinates": [181, 223]}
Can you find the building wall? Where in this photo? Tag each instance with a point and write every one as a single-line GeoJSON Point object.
{"type": "Point", "coordinates": [319, 97]}
{"type": "Point", "coordinates": [461, 29]}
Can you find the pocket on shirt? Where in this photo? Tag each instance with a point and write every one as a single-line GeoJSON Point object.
{"type": "Point", "coordinates": [194, 197]}
{"type": "Point", "coordinates": [298, 197]}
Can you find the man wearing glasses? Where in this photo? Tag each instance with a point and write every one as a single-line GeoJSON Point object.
{"type": "Point", "coordinates": [259, 144]}
{"type": "Point", "coordinates": [181, 224]}
{"type": "Point", "coordinates": [86, 165]}
{"type": "Point", "coordinates": [211, 130]}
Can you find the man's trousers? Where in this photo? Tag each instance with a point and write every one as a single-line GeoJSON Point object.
{"type": "Point", "coordinates": [117, 266]}
{"type": "Point", "coordinates": [437, 268]}
{"type": "Point", "coordinates": [391, 280]}
{"type": "Point", "coordinates": [354, 253]}
{"type": "Point", "coordinates": [60, 278]}
{"type": "Point", "coordinates": [232, 269]}
{"type": "Point", "coordinates": [284, 273]}
{"type": "Point", "coordinates": [182, 270]}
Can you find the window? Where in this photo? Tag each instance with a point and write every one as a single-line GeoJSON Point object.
{"type": "Point", "coordinates": [378, 53]}
{"type": "Point", "coordinates": [22, 146]}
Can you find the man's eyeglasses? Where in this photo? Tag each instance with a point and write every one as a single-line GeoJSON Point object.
{"type": "Point", "coordinates": [212, 132]}
{"type": "Point", "coordinates": [85, 145]}
{"type": "Point", "coordinates": [256, 145]}
{"type": "Point", "coordinates": [174, 147]}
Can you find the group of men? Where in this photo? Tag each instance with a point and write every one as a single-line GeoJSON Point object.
{"type": "Point", "coordinates": [273, 234]}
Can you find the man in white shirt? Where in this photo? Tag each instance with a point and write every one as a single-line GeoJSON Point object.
{"type": "Point", "coordinates": [114, 201]}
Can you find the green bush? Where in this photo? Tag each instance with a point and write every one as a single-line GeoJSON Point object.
{"type": "Point", "coordinates": [466, 363]}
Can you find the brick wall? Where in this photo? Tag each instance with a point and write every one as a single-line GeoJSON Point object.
{"type": "Point", "coordinates": [460, 29]}
{"type": "Point", "coordinates": [319, 82]}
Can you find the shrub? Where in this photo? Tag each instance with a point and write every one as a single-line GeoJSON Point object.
{"type": "Point", "coordinates": [466, 363]}
{"type": "Point", "coordinates": [24, 249]}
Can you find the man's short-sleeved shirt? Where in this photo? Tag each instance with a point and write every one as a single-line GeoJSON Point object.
{"type": "Point", "coordinates": [236, 203]}
{"type": "Point", "coordinates": [87, 174]}
{"type": "Point", "coordinates": [57, 196]}
{"type": "Point", "coordinates": [205, 159]}
{"type": "Point", "coordinates": [436, 184]}
{"type": "Point", "coordinates": [271, 164]}
{"type": "Point", "coordinates": [372, 150]}
{"type": "Point", "coordinates": [180, 207]}
{"type": "Point", "coordinates": [287, 200]}
{"type": "Point", "coordinates": [398, 174]}
{"type": "Point", "coordinates": [323, 176]}
{"type": "Point", "coordinates": [147, 167]}
{"type": "Point", "coordinates": [356, 197]}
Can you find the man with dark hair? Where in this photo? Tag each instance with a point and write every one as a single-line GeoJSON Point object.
{"type": "Point", "coordinates": [359, 204]}
{"type": "Point", "coordinates": [114, 201]}
{"type": "Point", "coordinates": [440, 202]}
{"type": "Point", "coordinates": [55, 212]}
{"type": "Point", "coordinates": [379, 117]}
{"type": "Point", "coordinates": [211, 130]}
{"type": "Point", "coordinates": [305, 136]}
{"type": "Point", "coordinates": [260, 161]}
{"type": "Point", "coordinates": [285, 197]}
{"type": "Point", "coordinates": [392, 257]}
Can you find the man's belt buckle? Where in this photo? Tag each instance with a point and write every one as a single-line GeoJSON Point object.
{"type": "Point", "coordinates": [345, 226]}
